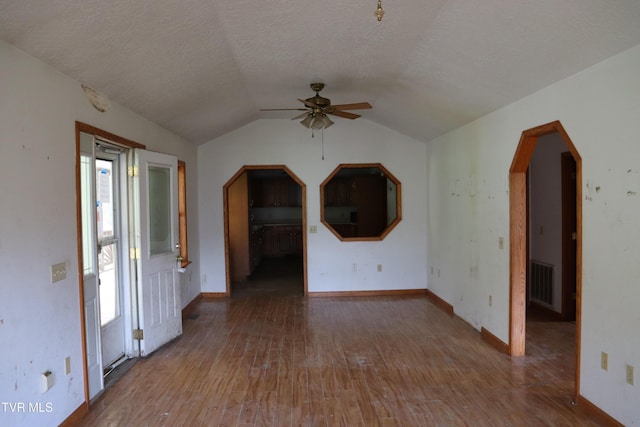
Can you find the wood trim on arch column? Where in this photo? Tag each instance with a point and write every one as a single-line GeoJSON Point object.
{"type": "Point", "coordinates": [518, 237]}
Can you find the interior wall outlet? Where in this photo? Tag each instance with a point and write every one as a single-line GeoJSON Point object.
{"type": "Point", "coordinates": [500, 242]}
{"type": "Point", "coordinates": [629, 374]}
{"type": "Point", "coordinates": [58, 272]}
{"type": "Point", "coordinates": [67, 365]}
{"type": "Point", "coordinates": [379, 267]}
{"type": "Point", "coordinates": [313, 229]}
{"type": "Point", "coordinates": [47, 381]}
{"type": "Point", "coordinates": [604, 361]}
{"type": "Point", "coordinates": [490, 300]}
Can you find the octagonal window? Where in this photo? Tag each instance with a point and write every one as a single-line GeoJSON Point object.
{"type": "Point", "coordinates": [360, 202]}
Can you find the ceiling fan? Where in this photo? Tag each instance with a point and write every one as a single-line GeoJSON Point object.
{"type": "Point", "coordinates": [318, 107]}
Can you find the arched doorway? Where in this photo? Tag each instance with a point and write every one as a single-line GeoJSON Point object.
{"type": "Point", "coordinates": [518, 192]}
{"type": "Point", "coordinates": [285, 193]}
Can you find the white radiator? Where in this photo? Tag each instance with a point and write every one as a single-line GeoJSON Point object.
{"type": "Point", "coordinates": [541, 282]}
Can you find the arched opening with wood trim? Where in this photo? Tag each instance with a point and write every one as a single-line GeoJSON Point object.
{"type": "Point", "coordinates": [240, 231]}
{"type": "Point", "coordinates": [518, 205]}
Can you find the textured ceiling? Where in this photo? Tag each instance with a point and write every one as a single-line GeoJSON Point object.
{"type": "Point", "coordinates": [201, 68]}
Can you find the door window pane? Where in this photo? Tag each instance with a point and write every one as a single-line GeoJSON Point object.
{"type": "Point", "coordinates": [104, 199]}
{"type": "Point", "coordinates": [109, 298]}
{"type": "Point", "coordinates": [159, 210]}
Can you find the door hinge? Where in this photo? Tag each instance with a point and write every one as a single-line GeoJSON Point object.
{"type": "Point", "coordinates": [574, 236]}
{"type": "Point", "coordinates": [132, 171]}
{"type": "Point", "coordinates": [138, 334]}
{"type": "Point", "coordinates": [134, 253]}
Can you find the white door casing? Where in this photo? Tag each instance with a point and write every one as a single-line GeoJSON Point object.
{"type": "Point", "coordinates": [156, 237]}
{"type": "Point", "coordinates": [91, 308]}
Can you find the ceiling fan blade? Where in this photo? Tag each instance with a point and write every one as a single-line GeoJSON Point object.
{"type": "Point", "coordinates": [355, 106]}
{"type": "Point", "coordinates": [300, 116]}
{"type": "Point", "coordinates": [283, 109]}
{"type": "Point", "coordinates": [308, 103]}
{"type": "Point", "coordinates": [345, 114]}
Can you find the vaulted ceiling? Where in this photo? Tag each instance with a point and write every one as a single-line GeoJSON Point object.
{"type": "Point", "coordinates": [201, 68]}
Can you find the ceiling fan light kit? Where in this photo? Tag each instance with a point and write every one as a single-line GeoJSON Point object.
{"type": "Point", "coordinates": [306, 122]}
{"type": "Point", "coordinates": [326, 121]}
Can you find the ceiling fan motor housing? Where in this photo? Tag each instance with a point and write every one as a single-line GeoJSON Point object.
{"type": "Point", "coordinates": [318, 100]}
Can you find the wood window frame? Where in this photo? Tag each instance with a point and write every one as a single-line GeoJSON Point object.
{"type": "Point", "coordinates": [398, 201]}
{"type": "Point", "coordinates": [182, 213]}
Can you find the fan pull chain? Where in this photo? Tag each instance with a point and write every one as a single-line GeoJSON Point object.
{"type": "Point", "coordinates": [322, 143]}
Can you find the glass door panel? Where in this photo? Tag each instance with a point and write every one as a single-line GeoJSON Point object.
{"type": "Point", "coordinates": [105, 199]}
{"type": "Point", "coordinates": [160, 213]}
{"type": "Point", "coordinates": [109, 295]}
{"type": "Point", "coordinates": [108, 217]}
{"type": "Point", "coordinates": [106, 205]}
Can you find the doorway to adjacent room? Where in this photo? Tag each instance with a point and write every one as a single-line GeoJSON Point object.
{"type": "Point", "coordinates": [520, 239]}
{"type": "Point", "coordinates": [265, 223]}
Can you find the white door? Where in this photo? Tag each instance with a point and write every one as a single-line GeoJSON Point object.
{"type": "Point", "coordinates": [109, 242]}
{"type": "Point", "coordinates": [158, 293]}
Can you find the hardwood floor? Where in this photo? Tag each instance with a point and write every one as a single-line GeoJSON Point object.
{"type": "Point", "coordinates": [264, 360]}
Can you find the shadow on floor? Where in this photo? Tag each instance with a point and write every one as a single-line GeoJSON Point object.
{"type": "Point", "coordinates": [282, 276]}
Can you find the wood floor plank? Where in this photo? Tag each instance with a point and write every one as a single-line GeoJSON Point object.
{"type": "Point", "coordinates": [284, 396]}
{"type": "Point", "coordinates": [314, 384]}
{"type": "Point", "coordinates": [352, 361]}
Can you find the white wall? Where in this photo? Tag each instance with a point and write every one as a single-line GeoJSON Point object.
{"type": "Point", "coordinates": [330, 262]}
{"type": "Point", "coordinates": [40, 321]}
{"type": "Point", "coordinates": [469, 211]}
{"type": "Point", "coordinates": [545, 209]}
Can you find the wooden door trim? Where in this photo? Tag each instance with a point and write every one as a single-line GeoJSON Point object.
{"type": "Point", "coordinates": [518, 238]}
{"type": "Point", "coordinates": [230, 182]}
